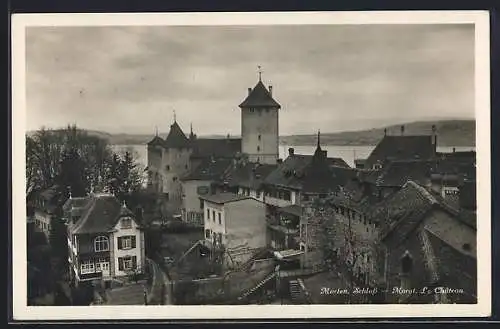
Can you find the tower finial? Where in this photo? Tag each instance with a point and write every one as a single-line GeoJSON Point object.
{"type": "Point", "coordinates": [124, 205]}
{"type": "Point", "coordinates": [191, 126]}
{"type": "Point", "coordinates": [156, 131]}
{"type": "Point", "coordinates": [175, 118]}
{"type": "Point", "coordinates": [260, 72]}
{"type": "Point", "coordinates": [319, 139]}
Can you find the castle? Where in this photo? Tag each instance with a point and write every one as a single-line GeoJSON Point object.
{"type": "Point", "coordinates": [172, 158]}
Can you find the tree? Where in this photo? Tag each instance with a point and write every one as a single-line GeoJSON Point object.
{"type": "Point", "coordinates": [123, 176]}
{"type": "Point", "coordinates": [73, 173]}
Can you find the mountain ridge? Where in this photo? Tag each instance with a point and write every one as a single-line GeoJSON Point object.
{"type": "Point", "coordinates": [449, 132]}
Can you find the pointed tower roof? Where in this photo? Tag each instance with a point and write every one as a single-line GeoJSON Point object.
{"type": "Point", "coordinates": [176, 137]}
{"type": "Point", "coordinates": [259, 96]}
{"type": "Point", "coordinates": [318, 151]}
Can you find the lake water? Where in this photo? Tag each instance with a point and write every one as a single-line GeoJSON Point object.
{"type": "Point", "coordinates": [346, 152]}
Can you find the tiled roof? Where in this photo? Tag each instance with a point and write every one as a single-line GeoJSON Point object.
{"type": "Point", "coordinates": [218, 148]}
{"type": "Point", "coordinates": [176, 138]}
{"type": "Point", "coordinates": [250, 175]}
{"type": "Point", "coordinates": [312, 174]}
{"type": "Point", "coordinates": [225, 197]}
{"type": "Point", "coordinates": [369, 176]}
{"type": "Point", "coordinates": [209, 169]}
{"type": "Point", "coordinates": [404, 210]}
{"type": "Point", "coordinates": [72, 203]}
{"type": "Point", "coordinates": [100, 214]}
{"type": "Point", "coordinates": [259, 97]}
{"type": "Point", "coordinates": [397, 173]}
{"type": "Point", "coordinates": [402, 148]}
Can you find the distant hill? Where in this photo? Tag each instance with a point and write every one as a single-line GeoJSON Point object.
{"type": "Point", "coordinates": [450, 133]}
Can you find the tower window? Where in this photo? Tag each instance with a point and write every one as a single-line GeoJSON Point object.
{"type": "Point", "coordinates": [168, 167]}
{"type": "Point", "coordinates": [258, 148]}
{"type": "Point", "coordinates": [259, 137]}
{"type": "Point", "coordinates": [251, 110]}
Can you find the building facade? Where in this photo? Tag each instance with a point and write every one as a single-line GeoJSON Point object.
{"type": "Point", "coordinates": [236, 224]}
{"type": "Point", "coordinates": [105, 242]}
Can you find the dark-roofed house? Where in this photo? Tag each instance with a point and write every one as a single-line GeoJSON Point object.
{"type": "Point", "coordinates": [427, 245]}
{"type": "Point", "coordinates": [199, 182]}
{"type": "Point", "coordinates": [105, 241]}
{"type": "Point", "coordinates": [403, 147]}
{"type": "Point", "coordinates": [213, 148]}
{"type": "Point", "coordinates": [236, 224]}
{"type": "Point", "coordinates": [45, 208]}
{"type": "Point", "coordinates": [246, 178]}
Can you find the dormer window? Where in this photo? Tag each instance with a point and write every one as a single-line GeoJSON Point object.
{"type": "Point", "coordinates": [101, 243]}
{"type": "Point", "coordinates": [126, 223]}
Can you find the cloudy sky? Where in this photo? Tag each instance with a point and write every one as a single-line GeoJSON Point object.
{"type": "Point", "coordinates": [333, 78]}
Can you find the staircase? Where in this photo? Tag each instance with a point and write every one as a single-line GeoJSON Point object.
{"type": "Point", "coordinates": [295, 291]}
{"type": "Point", "coordinates": [259, 285]}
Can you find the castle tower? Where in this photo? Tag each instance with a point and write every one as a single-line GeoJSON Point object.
{"type": "Point", "coordinates": [176, 155]}
{"type": "Point", "coordinates": [259, 124]}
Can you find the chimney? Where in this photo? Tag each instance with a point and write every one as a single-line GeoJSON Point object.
{"type": "Point", "coordinates": [454, 149]}
{"type": "Point", "coordinates": [402, 130]}
{"type": "Point", "coordinates": [279, 161]}
{"type": "Point", "coordinates": [385, 131]}
{"type": "Point", "coordinates": [271, 90]}
{"type": "Point", "coordinates": [249, 90]}
{"type": "Point", "coordinates": [291, 151]}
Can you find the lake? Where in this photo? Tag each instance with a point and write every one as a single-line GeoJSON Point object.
{"type": "Point", "coordinates": [346, 152]}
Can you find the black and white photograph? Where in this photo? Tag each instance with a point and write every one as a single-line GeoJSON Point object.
{"type": "Point", "coordinates": [192, 161]}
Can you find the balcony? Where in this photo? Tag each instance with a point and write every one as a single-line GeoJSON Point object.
{"type": "Point", "coordinates": [90, 276]}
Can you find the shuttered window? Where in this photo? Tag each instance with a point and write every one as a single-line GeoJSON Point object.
{"type": "Point", "coordinates": [127, 242]}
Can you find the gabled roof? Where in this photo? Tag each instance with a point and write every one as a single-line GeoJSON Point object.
{"type": "Point", "coordinates": [259, 96]}
{"type": "Point", "coordinates": [397, 173]}
{"type": "Point", "coordinates": [402, 148]}
{"type": "Point", "coordinates": [100, 214]}
{"type": "Point", "coordinates": [250, 175]}
{"type": "Point", "coordinates": [176, 138]}
{"type": "Point", "coordinates": [217, 148]}
{"type": "Point", "coordinates": [404, 210]}
{"type": "Point", "coordinates": [310, 174]}
{"type": "Point", "coordinates": [210, 169]}
{"type": "Point", "coordinates": [225, 197]}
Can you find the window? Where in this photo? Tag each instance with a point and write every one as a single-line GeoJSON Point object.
{"type": "Point", "coordinates": [87, 267]}
{"type": "Point", "coordinates": [220, 219]}
{"type": "Point", "coordinates": [207, 234]}
{"type": "Point", "coordinates": [259, 137]}
{"type": "Point", "coordinates": [201, 204]}
{"type": "Point", "coordinates": [126, 242]}
{"type": "Point", "coordinates": [213, 215]}
{"type": "Point", "coordinates": [101, 243]}
{"type": "Point", "coordinates": [251, 110]}
{"type": "Point", "coordinates": [208, 213]}
{"type": "Point", "coordinates": [174, 179]}
{"type": "Point", "coordinates": [258, 194]}
{"type": "Point", "coordinates": [102, 265]}
{"type": "Point", "coordinates": [167, 167]}
{"type": "Point", "coordinates": [186, 167]}
{"type": "Point", "coordinates": [127, 263]}
{"type": "Point", "coordinates": [406, 263]}
{"type": "Point", "coordinates": [287, 195]}
{"type": "Point", "coordinates": [258, 148]}
{"type": "Point", "coordinates": [126, 223]}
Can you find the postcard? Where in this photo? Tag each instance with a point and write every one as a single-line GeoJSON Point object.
{"type": "Point", "coordinates": [251, 165]}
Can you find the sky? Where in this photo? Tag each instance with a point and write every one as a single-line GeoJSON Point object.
{"type": "Point", "coordinates": [328, 77]}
